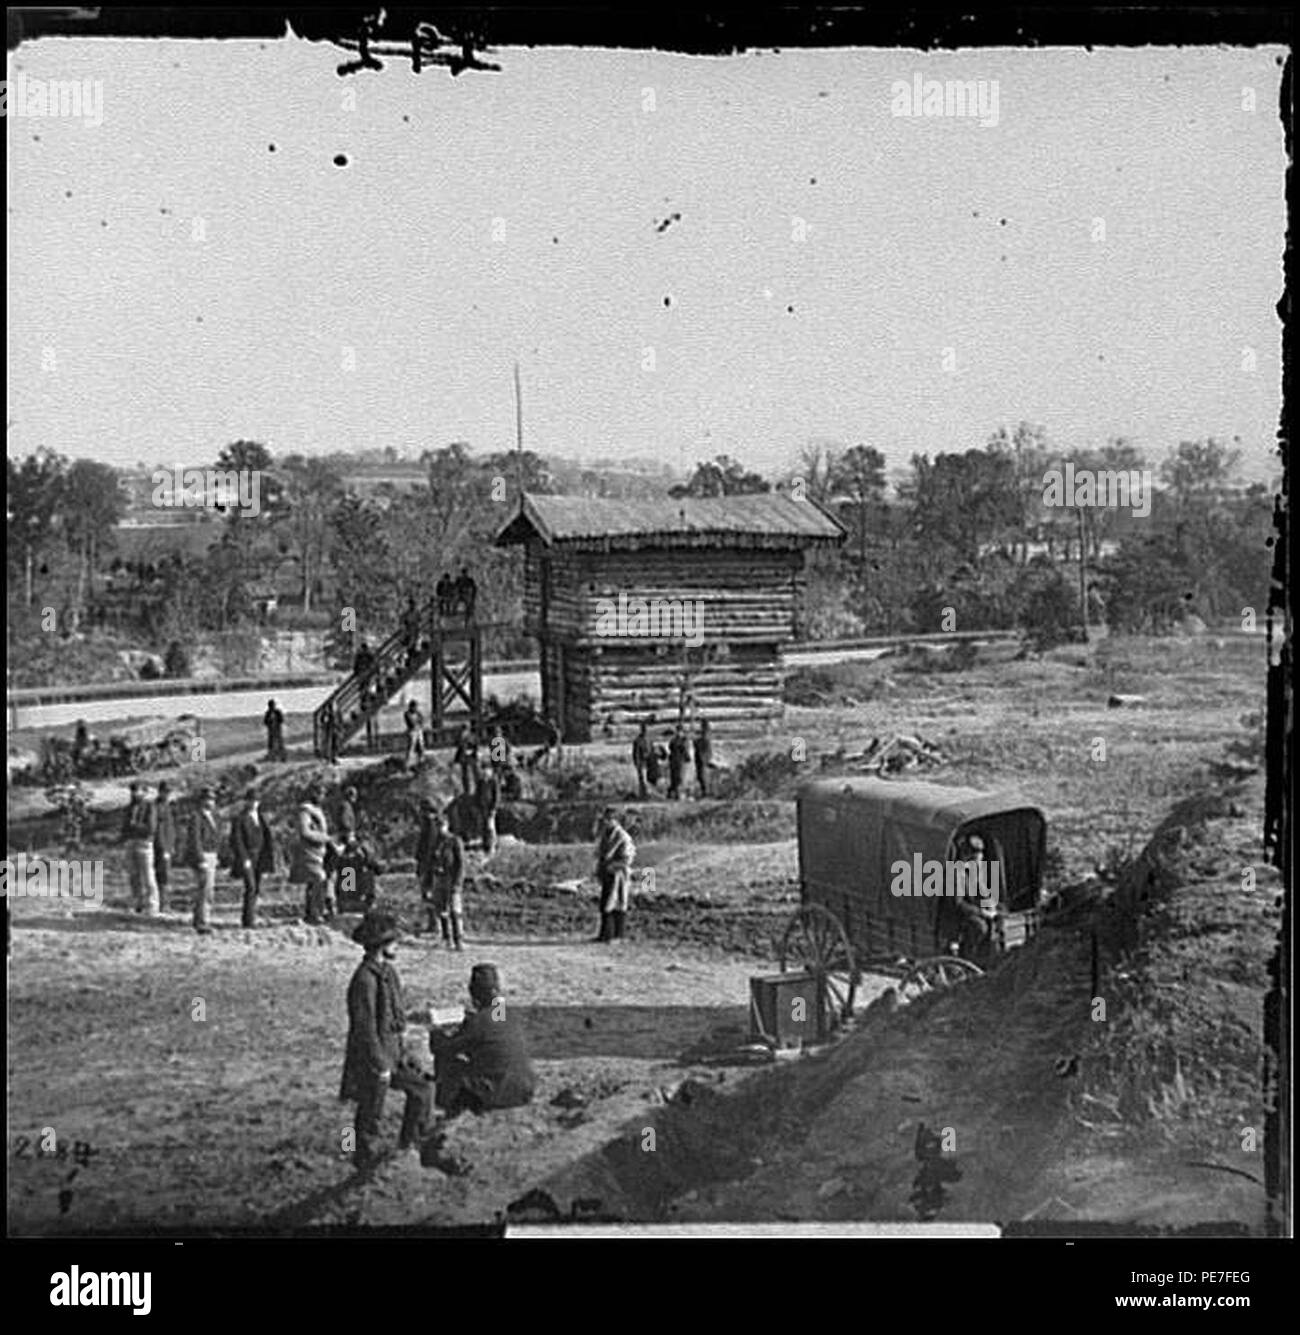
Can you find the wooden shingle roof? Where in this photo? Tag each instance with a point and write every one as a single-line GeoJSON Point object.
{"type": "Point", "coordinates": [770, 520]}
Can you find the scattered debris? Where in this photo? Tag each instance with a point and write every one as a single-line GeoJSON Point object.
{"type": "Point", "coordinates": [834, 1186]}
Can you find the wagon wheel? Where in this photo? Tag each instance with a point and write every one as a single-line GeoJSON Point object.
{"type": "Point", "coordinates": [816, 943]}
{"type": "Point", "coordinates": [931, 975]}
{"type": "Point", "coordinates": [138, 759]}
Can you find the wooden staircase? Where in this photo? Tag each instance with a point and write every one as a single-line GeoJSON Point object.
{"type": "Point", "coordinates": [452, 645]}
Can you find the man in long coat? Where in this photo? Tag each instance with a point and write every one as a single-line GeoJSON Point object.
{"type": "Point", "coordinates": [202, 845]}
{"type": "Point", "coordinates": [139, 826]}
{"type": "Point", "coordinates": [309, 852]}
{"type": "Point", "coordinates": [484, 1064]}
{"type": "Point", "coordinates": [374, 1062]}
{"type": "Point", "coordinates": [273, 720]}
{"type": "Point", "coordinates": [641, 749]}
{"type": "Point", "coordinates": [615, 853]}
{"type": "Point", "coordinates": [252, 853]}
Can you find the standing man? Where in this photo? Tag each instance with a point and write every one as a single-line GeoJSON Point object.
{"type": "Point", "coordinates": [654, 764]}
{"type": "Point", "coordinates": [703, 757]}
{"type": "Point", "coordinates": [425, 844]}
{"type": "Point", "coordinates": [414, 721]}
{"type": "Point", "coordinates": [466, 593]}
{"type": "Point", "coordinates": [164, 840]}
{"type": "Point", "coordinates": [274, 722]}
{"type": "Point", "coordinates": [678, 757]}
{"type": "Point", "coordinates": [139, 827]}
{"type": "Point", "coordinates": [348, 818]}
{"type": "Point", "coordinates": [615, 853]}
{"type": "Point", "coordinates": [252, 853]}
{"type": "Point", "coordinates": [442, 881]}
{"type": "Point", "coordinates": [484, 1064]}
{"type": "Point", "coordinates": [376, 1021]}
{"type": "Point", "coordinates": [466, 757]}
{"type": "Point", "coordinates": [445, 591]}
{"type": "Point", "coordinates": [309, 852]}
{"type": "Point", "coordinates": [201, 854]}
{"type": "Point", "coordinates": [489, 799]}
{"type": "Point", "coordinates": [641, 749]}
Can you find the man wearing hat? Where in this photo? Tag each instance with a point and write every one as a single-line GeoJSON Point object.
{"type": "Point", "coordinates": [615, 853]}
{"type": "Point", "coordinates": [484, 1064]}
{"type": "Point", "coordinates": [374, 1063]}
{"type": "Point", "coordinates": [309, 850]}
{"type": "Point", "coordinates": [252, 853]}
{"type": "Point", "coordinates": [201, 854]}
{"type": "Point", "coordinates": [440, 867]}
{"type": "Point", "coordinates": [273, 721]}
{"type": "Point", "coordinates": [139, 827]}
{"type": "Point", "coordinates": [164, 840]}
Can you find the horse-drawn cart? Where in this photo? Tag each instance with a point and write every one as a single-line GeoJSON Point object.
{"type": "Point", "coordinates": [864, 909]}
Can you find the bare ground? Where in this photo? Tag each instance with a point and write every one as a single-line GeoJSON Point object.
{"type": "Point", "coordinates": [231, 1121]}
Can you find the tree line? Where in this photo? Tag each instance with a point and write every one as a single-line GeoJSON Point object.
{"type": "Point", "coordinates": [963, 540]}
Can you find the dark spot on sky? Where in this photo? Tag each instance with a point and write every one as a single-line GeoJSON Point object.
{"type": "Point", "coordinates": [67, 194]}
{"type": "Point", "coordinates": [1004, 259]}
{"type": "Point", "coordinates": [555, 241]}
{"type": "Point", "coordinates": [974, 213]}
{"type": "Point", "coordinates": [270, 148]}
{"type": "Point", "coordinates": [668, 301]}
{"type": "Point", "coordinates": [103, 222]}
{"type": "Point", "coordinates": [1002, 222]}
{"type": "Point", "coordinates": [165, 212]}
{"type": "Point", "coordinates": [812, 180]}
{"type": "Point", "coordinates": [37, 138]}
{"type": "Point", "coordinates": [198, 319]}
{"type": "Point", "coordinates": [406, 120]}
{"type": "Point", "coordinates": [668, 222]}
{"type": "Point", "coordinates": [823, 94]}
{"type": "Point", "coordinates": [789, 310]}
{"type": "Point", "coordinates": [340, 159]}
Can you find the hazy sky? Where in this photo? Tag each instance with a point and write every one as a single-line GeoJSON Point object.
{"type": "Point", "coordinates": [826, 255]}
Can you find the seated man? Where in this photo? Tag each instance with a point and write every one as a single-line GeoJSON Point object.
{"type": "Point", "coordinates": [483, 1065]}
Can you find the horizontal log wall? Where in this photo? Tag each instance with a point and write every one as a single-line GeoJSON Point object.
{"type": "Point", "coordinates": [740, 594]}
{"type": "Point", "coordinates": [608, 683]}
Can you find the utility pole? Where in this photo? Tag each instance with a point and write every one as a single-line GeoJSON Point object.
{"type": "Point", "coordinates": [519, 432]}
{"type": "Point", "coordinates": [1083, 577]}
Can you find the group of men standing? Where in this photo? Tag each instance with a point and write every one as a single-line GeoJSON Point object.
{"type": "Point", "coordinates": [457, 596]}
{"type": "Point", "coordinates": [651, 758]}
{"type": "Point", "coordinates": [157, 838]}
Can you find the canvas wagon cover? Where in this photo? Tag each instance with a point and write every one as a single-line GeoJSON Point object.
{"type": "Point", "coordinates": [852, 831]}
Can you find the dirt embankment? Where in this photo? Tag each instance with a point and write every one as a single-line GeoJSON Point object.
{"type": "Point", "coordinates": [1138, 1112]}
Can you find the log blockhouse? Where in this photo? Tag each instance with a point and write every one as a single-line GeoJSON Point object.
{"type": "Point", "coordinates": [662, 608]}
